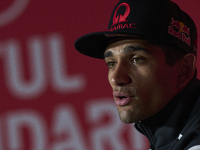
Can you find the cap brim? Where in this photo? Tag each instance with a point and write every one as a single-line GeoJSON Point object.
{"type": "Point", "coordinates": [94, 44]}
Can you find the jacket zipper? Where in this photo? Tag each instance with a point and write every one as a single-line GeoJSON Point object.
{"type": "Point", "coordinates": [143, 130]}
{"type": "Point", "coordinates": [151, 148]}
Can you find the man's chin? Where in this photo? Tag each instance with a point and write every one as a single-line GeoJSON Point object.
{"type": "Point", "coordinates": [126, 117]}
{"type": "Point", "coordinates": [127, 121]}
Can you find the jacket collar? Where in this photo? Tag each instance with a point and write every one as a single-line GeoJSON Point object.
{"type": "Point", "coordinates": [164, 127]}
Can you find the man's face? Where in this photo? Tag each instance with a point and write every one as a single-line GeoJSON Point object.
{"type": "Point", "coordinates": [142, 83]}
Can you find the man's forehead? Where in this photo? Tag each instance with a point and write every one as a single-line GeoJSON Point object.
{"type": "Point", "coordinates": [127, 46]}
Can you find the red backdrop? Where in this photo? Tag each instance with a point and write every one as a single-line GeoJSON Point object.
{"type": "Point", "coordinates": [52, 97]}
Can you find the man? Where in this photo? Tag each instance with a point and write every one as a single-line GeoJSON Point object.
{"type": "Point", "coordinates": [150, 49]}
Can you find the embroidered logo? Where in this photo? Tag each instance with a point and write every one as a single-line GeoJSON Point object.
{"type": "Point", "coordinates": [120, 20]}
{"type": "Point", "coordinates": [180, 30]}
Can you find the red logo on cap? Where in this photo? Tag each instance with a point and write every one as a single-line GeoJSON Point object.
{"type": "Point", "coordinates": [121, 18]}
{"type": "Point", "coordinates": [180, 30]}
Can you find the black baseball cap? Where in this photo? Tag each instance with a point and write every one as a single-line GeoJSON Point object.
{"type": "Point", "coordinates": [156, 20]}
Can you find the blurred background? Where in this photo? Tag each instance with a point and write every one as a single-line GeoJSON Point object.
{"type": "Point", "coordinates": [52, 97]}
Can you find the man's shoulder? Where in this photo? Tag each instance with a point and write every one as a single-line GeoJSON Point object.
{"type": "Point", "coordinates": [189, 138]}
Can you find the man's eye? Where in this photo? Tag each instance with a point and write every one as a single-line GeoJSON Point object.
{"type": "Point", "coordinates": [111, 64]}
{"type": "Point", "coordinates": [138, 60]}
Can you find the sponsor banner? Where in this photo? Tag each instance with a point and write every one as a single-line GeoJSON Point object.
{"type": "Point", "coordinates": [52, 97]}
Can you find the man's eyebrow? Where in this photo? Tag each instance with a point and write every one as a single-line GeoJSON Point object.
{"type": "Point", "coordinates": [108, 54]}
{"type": "Point", "coordinates": [126, 50]}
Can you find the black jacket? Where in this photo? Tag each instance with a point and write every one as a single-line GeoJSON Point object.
{"type": "Point", "coordinates": [177, 125]}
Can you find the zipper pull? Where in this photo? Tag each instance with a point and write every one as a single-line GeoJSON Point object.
{"type": "Point", "coordinates": [151, 148]}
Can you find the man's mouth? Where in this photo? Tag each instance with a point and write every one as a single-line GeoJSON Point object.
{"type": "Point", "coordinates": [121, 98]}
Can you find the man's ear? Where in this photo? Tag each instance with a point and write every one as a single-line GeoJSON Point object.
{"type": "Point", "coordinates": [186, 70]}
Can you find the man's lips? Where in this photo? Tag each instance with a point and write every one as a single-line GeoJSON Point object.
{"type": "Point", "coordinates": [121, 98]}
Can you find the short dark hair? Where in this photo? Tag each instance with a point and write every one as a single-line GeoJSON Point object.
{"type": "Point", "coordinates": [172, 52]}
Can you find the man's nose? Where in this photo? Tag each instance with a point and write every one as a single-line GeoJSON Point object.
{"type": "Point", "coordinates": [120, 76]}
